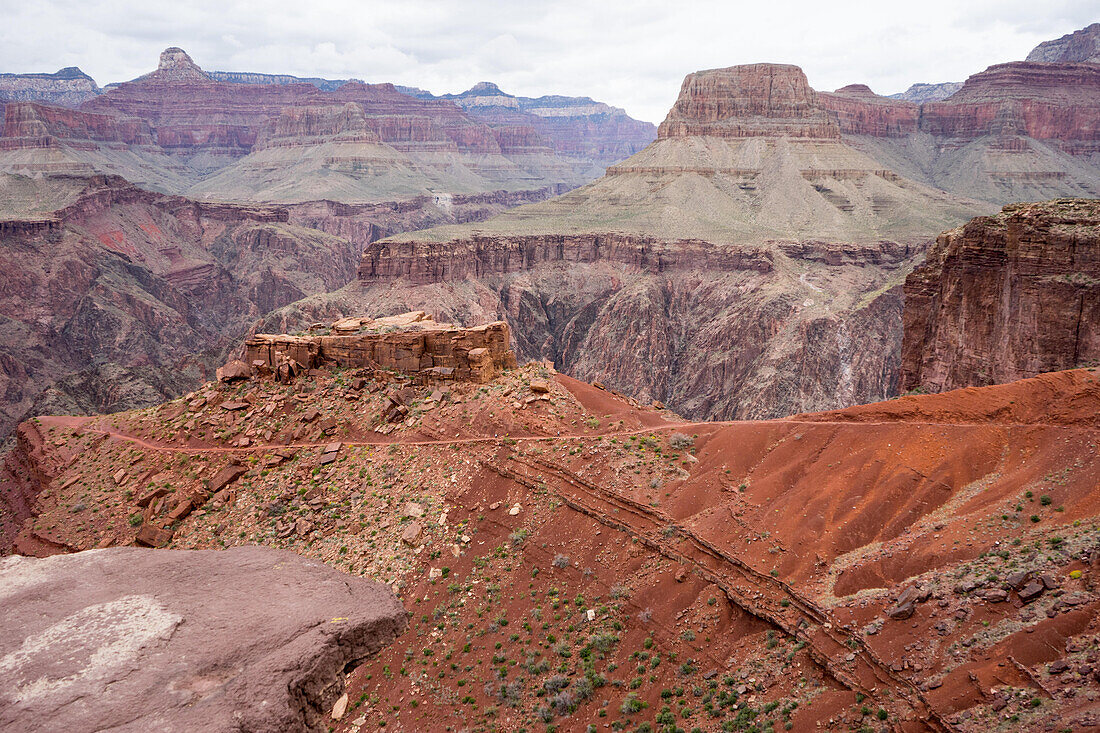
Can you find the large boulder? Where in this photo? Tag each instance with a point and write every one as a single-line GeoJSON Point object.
{"type": "Point", "coordinates": [127, 639]}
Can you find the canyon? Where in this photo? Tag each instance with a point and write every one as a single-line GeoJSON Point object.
{"type": "Point", "coordinates": [747, 264]}
{"type": "Point", "coordinates": [790, 419]}
{"type": "Point", "coordinates": [795, 214]}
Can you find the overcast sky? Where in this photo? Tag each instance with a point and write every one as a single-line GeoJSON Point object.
{"type": "Point", "coordinates": [633, 53]}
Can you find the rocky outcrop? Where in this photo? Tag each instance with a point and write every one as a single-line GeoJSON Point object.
{"type": "Point", "coordinates": [1005, 297]}
{"type": "Point", "coordinates": [191, 111]}
{"type": "Point", "coordinates": [410, 343]}
{"type": "Point", "coordinates": [249, 638]}
{"type": "Point", "coordinates": [754, 100]}
{"type": "Point", "coordinates": [135, 296]}
{"type": "Point", "coordinates": [1077, 47]}
{"type": "Point", "coordinates": [305, 126]}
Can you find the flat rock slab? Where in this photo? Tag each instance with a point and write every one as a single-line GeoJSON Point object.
{"type": "Point", "coordinates": [129, 639]}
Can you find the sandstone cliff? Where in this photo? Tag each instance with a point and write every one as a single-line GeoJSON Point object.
{"type": "Point", "coordinates": [755, 100]}
{"type": "Point", "coordinates": [1006, 297]}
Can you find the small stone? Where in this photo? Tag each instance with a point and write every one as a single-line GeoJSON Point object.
{"type": "Point", "coordinates": [434, 573]}
{"type": "Point", "coordinates": [412, 509]}
{"type": "Point", "coordinates": [494, 506]}
{"type": "Point", "coordinates": [514, 510]}
{"type": "Point", "coordinates": [340, 707]}
{"type": "Point", "coordinates": [994, 595]}
{"type": "Point", "coordinates": [412, 533]}
{"type": "Point", "coordinates": [1031, 591]}
{"type": "Point", "coordinates": [590, 614]}
{"type": "Point", "coordinates": [538, 386]}
{"type": "Point", "coordinates": [234, 406]}
{"type": "Point", "coordinates": [152, 536]}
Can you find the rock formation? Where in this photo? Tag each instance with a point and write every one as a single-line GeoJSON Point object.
{"type": "Point", "coordinates": [127, 639]}
{"type": "Point", "coordinates": [927, 563]}
{"type": "Point", "coordinates": [114, 296]}
{"type": "Point", "coordinates": [1005, 297]}
{"type": "Point", "coordinates": [211, 125]}
{"type": "Point", "coordinates": [410, 343]}
{"type": "Point", "coordinates": [859, 111]}
{"type": "Point", "coordinates": [1077, 47]}
{"type": "Point", "coordinates": [755, 100]}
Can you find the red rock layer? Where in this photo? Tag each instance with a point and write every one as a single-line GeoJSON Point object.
{"type": "Point", "coordinates": [299, 126]}
{"type": "Point", "coordinates": [34, 125]}
{"type": "Point", "coordinates": [859, 111]}
{"type": "Point", "coordinates": [748, 101]}
{"type": "Point", "coordinates": [1056, 102]}
{"type": "Point", "coordinates": [1005, 297]}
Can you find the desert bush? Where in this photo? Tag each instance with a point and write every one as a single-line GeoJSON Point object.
{"type": "Point", "coordinates": [680, 441]}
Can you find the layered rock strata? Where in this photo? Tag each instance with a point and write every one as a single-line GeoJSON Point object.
{"type": "Point", "coordinates": [755, 100]}
{"type": "Point", "coordinates": [1005, 297]}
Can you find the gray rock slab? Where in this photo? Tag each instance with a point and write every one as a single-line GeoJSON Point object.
{"type": "Point", "coordinates": [128, 639]}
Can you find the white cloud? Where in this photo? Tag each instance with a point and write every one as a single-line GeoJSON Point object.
{"type": "Point", "coordinates": [630, 54]}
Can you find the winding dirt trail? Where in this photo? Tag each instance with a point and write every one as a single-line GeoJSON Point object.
{"type": "Point", "coordinates": [79, 424]}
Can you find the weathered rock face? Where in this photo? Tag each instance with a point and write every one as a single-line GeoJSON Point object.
{"type": "Point", "coordinates": [192, 112]}
{"type": "Point", "coordinates": [249, 638]}
{"type": "Point", "coordinates": [304, 126]}
{"type": "Point", "coordinates": [754, 100]}
{"type": "Point", "coordinates": [483, 256]}
{"type": "Point", "coordinates": [1006, 297]}
{"type": "Point", "coordinates": [1079, 46]}
{"type": "Point", "coordinates": [714, 331]}
{"type": "Point", "coordinates": [1015, 132]}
